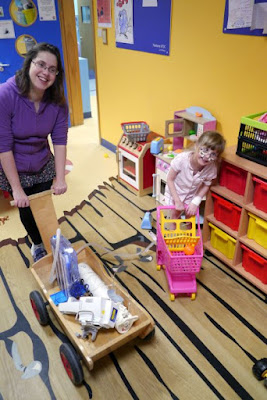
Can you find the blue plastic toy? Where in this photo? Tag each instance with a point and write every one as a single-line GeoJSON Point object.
{"type": "Point", "coordinates": [147, 221]}
{"type": "Point", "coordinates": [157, 146]}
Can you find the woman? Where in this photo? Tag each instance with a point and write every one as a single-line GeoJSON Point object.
{"type": "Point", "coordinates": [32, 106]}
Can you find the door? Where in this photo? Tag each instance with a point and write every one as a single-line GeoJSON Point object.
{"type": "Point", "coordinates": [86, 32]}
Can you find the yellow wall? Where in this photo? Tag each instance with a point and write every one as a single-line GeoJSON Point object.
{"type": "Point", "coordinates": [226, 74]}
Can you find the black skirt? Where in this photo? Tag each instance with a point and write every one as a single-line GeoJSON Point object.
{"type": "Point", "coordinates": [47, 173]}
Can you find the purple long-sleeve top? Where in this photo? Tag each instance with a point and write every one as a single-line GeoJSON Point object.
{"type": "Point", "coordinates": [25, 131]}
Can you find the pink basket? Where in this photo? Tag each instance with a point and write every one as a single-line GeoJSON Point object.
{"type": "Point", "coordinates": [178, 262]}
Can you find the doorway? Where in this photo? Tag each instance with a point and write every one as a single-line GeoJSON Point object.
{"type": "Point", "coordinates": [86, 53]}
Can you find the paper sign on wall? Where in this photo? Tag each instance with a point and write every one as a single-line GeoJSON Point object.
{"type": "Point", "coordinates": [150, 3]}
{"type": "Point", "coordinates": [124, 22]}
{"type": "Point", "coordinates": [47, 10]}
{"type": "Point", "coordinates": [7, 29]}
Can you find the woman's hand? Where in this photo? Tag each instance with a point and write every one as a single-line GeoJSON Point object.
{"type": "Point", "coordinates": [59, 187]}
{"type": "Point", "coordinates": [20, 198]}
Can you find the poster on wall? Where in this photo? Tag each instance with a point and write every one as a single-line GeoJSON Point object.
{"type": "Point", "coordinates": [124, 21]}
{"type": "Point", "coordinates": [151, 25]}
{"type": "Point", "coordinates": [245, 17]}
{"type": "Point", "coordinates": [47, 10]}
{"type": "Point", "coordinates": [7, 29]}
{"type": "Point", "coordinates": [104, 13]}
{"type": "Point", "coordinates": [23, 12]}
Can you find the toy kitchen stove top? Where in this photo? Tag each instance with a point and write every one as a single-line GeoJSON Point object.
{"type": "Point", "coordinates": [136, 164]}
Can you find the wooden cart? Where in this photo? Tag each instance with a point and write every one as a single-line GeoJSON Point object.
{"type": "Point", "coordinates": [107, 340]}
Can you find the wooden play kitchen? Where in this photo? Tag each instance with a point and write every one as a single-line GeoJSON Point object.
{"type": "Point", "coordinates": [107, 340]}
{"type": "Point", "coordinates": [235, 227]}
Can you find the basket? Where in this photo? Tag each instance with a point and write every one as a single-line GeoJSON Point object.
{"type": "Point", "coordinates": [252, 140]}
{"type": "Point", "coordinates": [175, 260]}
{"type": "Point", "coordinates": [136, 131]}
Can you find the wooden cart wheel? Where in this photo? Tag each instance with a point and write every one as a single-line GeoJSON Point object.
{"type": "Point", "coordinates": [193, 296]}
{"type": "Point", "coordinates": [172, 296]}
{"type": "Point", "coordinates": [71, 362]}
{"type": "Point", "coordinates": [39, 308]}
{"type": "Point", "coordinates": [158, 267]}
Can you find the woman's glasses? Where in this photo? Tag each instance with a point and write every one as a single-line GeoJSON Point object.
{"type": "Point", "coordinates": [209, 154]}
{"type": "Point", "coordinates": [42, 65]}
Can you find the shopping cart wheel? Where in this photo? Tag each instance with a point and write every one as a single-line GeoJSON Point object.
{"type": "Point", "coordinates": [158, 267]}
{"type": "Point", "coordinates": [71, 362]}
{"type": "Point", "coordinates": [39, 307]}
{"type": "Point", "coordinates": [259, 369]}
{"type": "Point", "coordinates": [172, 296]}
{"type": "Point", "coordinates": [193, 296]}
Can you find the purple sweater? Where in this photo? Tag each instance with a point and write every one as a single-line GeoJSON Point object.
{"type": "Point", "coordinates": [24, 131]}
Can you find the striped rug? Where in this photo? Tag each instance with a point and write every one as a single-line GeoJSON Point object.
{"type": "Point", "coordinates": [202, 349]}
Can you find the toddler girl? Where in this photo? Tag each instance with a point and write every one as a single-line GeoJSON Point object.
{"type": "Point", "coordinates": [191, 174]}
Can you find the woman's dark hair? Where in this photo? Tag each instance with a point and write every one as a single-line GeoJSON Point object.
{"type": "Point", "coordinates": [54, 93]}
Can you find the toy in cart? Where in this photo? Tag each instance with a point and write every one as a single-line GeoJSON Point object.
{"type": "Point", "coordinates": [179, 250]}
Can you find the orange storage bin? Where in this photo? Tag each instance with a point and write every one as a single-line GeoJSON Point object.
{"type": "Point", "coordinates": [233, 178]}
{"type": "Point", "coordinates": [226, 212]}
{"type": "Point", "coordinates": [260, 194]}
{"type": "Point", "coordinates": [254, 264]}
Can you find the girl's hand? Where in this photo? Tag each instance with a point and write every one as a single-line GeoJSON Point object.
{"type": "Point", "coordinates": [191, 210]}
{"type": "Point", "coordinates": [20, 198]}
{"type": "Point", "coordinates": [179, 205]}
{"type": "Point", "coordinates": [59, 187]}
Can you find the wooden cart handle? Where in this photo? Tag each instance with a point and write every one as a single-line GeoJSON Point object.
{"type": "Point", "coordinates": [35, 196]}
{"type": "Point", "coordinates": [44, 214]}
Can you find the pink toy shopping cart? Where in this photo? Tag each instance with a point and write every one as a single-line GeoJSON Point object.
{"type": "Point", "coordinates": [179, 251]}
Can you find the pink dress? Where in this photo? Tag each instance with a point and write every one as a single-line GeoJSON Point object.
{"type": "Point", "coordinates": [186, 182]}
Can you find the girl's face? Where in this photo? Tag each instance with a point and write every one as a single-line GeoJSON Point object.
{"type": "Point", "coordinates": [43, 71]}
{"type": "Point", "coordinates": [205, 155]}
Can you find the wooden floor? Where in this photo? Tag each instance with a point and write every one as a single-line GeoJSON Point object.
{"type": "Point", "coordinates": [202, 349]}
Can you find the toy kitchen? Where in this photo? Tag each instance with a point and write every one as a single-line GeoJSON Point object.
{"type": "Point", "coordinates": [136, 164]}
{"type": "Point", "coordinates": [188, 125]}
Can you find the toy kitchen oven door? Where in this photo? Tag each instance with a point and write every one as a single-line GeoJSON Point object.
{"type": "Point", "coordinates": [160, 179]}
{"type": "Point", "coordinates": [136, 164]}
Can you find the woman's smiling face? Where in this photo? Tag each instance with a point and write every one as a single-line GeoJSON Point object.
{"type": "Point", "coordinates": [40, 73]}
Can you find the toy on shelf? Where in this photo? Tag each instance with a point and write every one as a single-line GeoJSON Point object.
{"type": "Point", "coordinates": [252, 138]}
{"type": "Point", "coordinates": [189, 124]}
{"type": "Point", "coordinates": [179, 250]}
{"type": "Point", "coordinates": [136, 131]}
{"type": "Point", "coordinates": [157, 146]}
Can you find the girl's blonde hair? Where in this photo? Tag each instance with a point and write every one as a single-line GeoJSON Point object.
{"type": "Point", "coordinates": [213, 140]}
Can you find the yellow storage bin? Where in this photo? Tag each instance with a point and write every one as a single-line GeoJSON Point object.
{"type": "Point", "coordinates": [222, 242]}
{"type": "Point", "coordinates": [257, 230]}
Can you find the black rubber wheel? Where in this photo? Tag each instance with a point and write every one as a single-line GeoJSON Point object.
{"type": "Point", "coordinates": [39, 307]}
{"type": "Point", "coordinates": [150, 335]}
{"type": "Point", "coordinates": [259, 368]}
{"type": "Point", "coordinates": [71, 362]}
